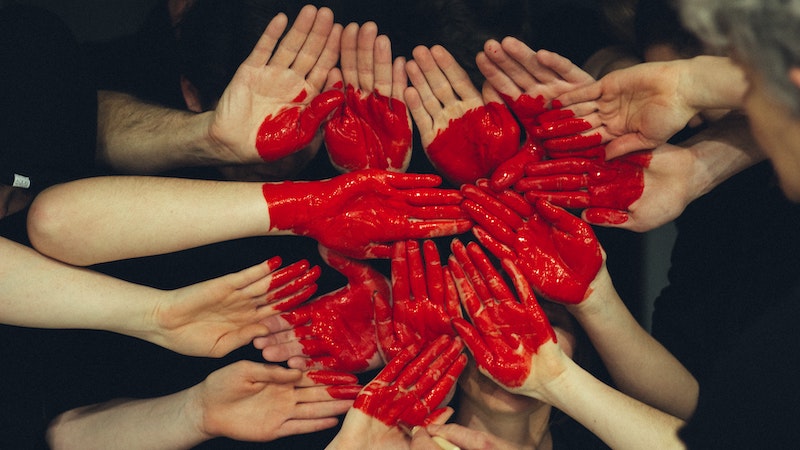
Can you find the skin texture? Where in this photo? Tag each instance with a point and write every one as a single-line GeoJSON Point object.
{"type": "Point", "coordinates": [527, 81]}
{"type": "Point", "coordinates": [335, 331]}
{"type": "Point", "coordinates": [464, 137]}
{"type": "Point", "coordinates": [372, 128]}
{"type": "Point", "coordinates": [423, 300]}
{"type": "Point", "coordinates": [359, 214]}
{"type": "Point", "coordinates": [546, 242]}
{"type": "Point", "coordinates": [496, 315]}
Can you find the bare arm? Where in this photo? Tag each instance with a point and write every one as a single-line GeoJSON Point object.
{"type": "Point", "coordinates": [246, 401]}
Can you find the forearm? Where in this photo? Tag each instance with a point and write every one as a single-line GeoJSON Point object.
{"type": "Point", "coordinates": [722, 150]}
{"type": "Point", "coordinates": [164, 423]}
{"type": "Point", "coordinates": [103, 219]}
{"type": "Point", "coordinates": [638, 364]}
{"type": "Point", "coordinates": [140, 138]}
{"type": "Point", "coordinates": [712, 82]}
{"type": "Point", "coordinates": [620, 421]}
{"type": "Point", "coordinates": [40, 292]}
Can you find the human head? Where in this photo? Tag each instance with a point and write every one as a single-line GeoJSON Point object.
{"type": "Point", "coordinates": [764, 37]}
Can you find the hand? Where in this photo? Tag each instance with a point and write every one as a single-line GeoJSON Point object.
{"type": "Point", "coordinates": [214, 317]}
{"type": "Point", "coordinates": [251, 401]}
{"type": "Point", "coordinates": [334, 331]}
{"type": "Point", "coordinates": [464, 138]}
{"type": "Point", "coordinates": [273, 106]}
{"type": "Point", "coordinates": [558, 252]}
{"type": "Point", "coordinates": [359, 214]}
{"type": "Point", "coordinates": [410, 389]}
{"type": "Point", "coordinates": [639, 107]}
{"type": "Point", "coordinates": [527, 81]}
{"type": "Point", "coordinates": [372, 129]}
{"type": "Point", "coordinates": [606, 188]}
{"type": "Point", "coordinates": [465, 438]}
{"type": "Point", "coordinates": [423, 300]}
{"type": "Point", "coordinates": [508, 333]}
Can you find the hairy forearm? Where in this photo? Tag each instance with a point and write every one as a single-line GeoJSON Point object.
{"type": "Point", "coordinates": [164, 422]}
{"type": "Point", "coordinates": [140, 138]}
{"type": "Point", "coordinates": [638, 364]}
{"type": "Point", "coordinates": [103, 219]}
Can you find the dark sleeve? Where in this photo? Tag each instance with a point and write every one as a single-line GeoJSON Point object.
{"type": "Point", "coordinates": [753, 398]}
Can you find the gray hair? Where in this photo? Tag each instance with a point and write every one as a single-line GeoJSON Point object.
{"type": "Point", "coordinates": [763, 34]}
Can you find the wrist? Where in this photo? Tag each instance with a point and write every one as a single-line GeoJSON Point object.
{"type": "Point", "coordinates": [712, 82]}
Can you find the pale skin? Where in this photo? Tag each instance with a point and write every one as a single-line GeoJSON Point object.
{"type": "Point", "coordinates": [641, 107]}
{"type": "Point", "coordinates": [138, 138]}
{"type": "Point", "coordinates": [210, 318]}
{"type": "Point", "coordinates": [246, 400]}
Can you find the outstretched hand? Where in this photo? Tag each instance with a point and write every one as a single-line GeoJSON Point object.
{"type": "Point", "coordinates": [252, 401]}
{"type": "Point", "coordinates": [360, 214]}
{"type": "Point", "coordinates": [372, 129]}
{"type": "Point", "coordinates": [528, 81]}
{"type": "Point", "coordinates": [637, 108]}
{"type": "Point", "coordinates": [273, 106]}
{"type": "Point", "coordinates": [214, 317]}
{"type": "Point", "coordinates": [423, 300]}
{"type": "Point", "coordinates": [508, 334]}
{"type": "Point", "coordinates": [463, 137]}
{"type": "Point", "coordinates": [410, 390]}
{"type": "Point", "coordinates": [335, 331]}
{"type": "Point", "coordinates": [558, 252]}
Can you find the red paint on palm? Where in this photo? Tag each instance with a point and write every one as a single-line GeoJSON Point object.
{"type": "Point", "coordinates": [293, 127]}
{"type": "Point", "coordinates": [361, 213]}
{"type": "Point", "coordinates": [475, 144]}
{"type": "Point", "coordinates": [337, 330]}
{"type": "Point", "coordinates": [372, 131]}
{"type": "Point", "coordinates": [423, 300]}
{"type": "Point", "coordinates": [506, 331]}
{"type": "Point", "coordinates": [414, 384]}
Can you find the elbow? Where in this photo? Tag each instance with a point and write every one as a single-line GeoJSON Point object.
{"type": "Point", "coordinates": [51, 229]}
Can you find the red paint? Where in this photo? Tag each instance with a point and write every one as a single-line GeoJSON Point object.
{"type": "Point", "coordinates": [293, 127]}
{"type": "Point", "coordinates": [361, 213]}
{"type": "Point", "coordinates": [414, 384]}
{"type": "Point", "coordinates": [341, 386]}
{"type": "Point", "coordinates": [505, 332]}
{"type": "Point", "coordinates": [337, 330]}
{"type": "Point", "coordinates": [421, 305]}
{"type": "Point", "coordinates": [292, 285]}
{"type": "Point", "coordinates": [588, 183]}
{"type": "Point", "coordinates": [475, 144]}
{"type": "Point", "coordinates": [369, 131]}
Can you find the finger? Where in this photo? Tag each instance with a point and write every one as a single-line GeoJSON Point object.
{"type": "Point", "coordinates": [327, 377]}
{"type": "Point", "coordinates": [433, 273]}
{"type": "Point", "coordinates": [318, 77]}
{"type": "Point", "coordinates": [383, 66]}
{"type": "Point", "coordinates": [365, 63]}
{"type": "Point", "coordinates": [608, 217]}
{"type": "Point", "coordinates": [266, 43]}
{"type": "Point", "coordinates": [457, 79]}
{"type": "Point", "coordinates": [399, 79]}
{"type": "Point", "coordinates": [498, 287]}
{"type": "Point", "coordinates": [575, 200]}
{"type": "Point", "coordinates": [416, 272]}
{"type": "Point", "coordinates": [494, 74]}
{"type": "Point", "coordinates": [586, 93]}
{"type": "Point", "coordinates": [565, 68]}
{"type": "Point", "coordinates": [314, 43]}
{"type": "Point", "coordinates": [292, 43]}
{"type": "Point", "coordinates": [526, 70]}
{"type": "Point", "coordinates": [302, 426]}
{"type": "Point", "coordinates": [349, 55]}
{"type": "Point", "coordinates": [282, 352]}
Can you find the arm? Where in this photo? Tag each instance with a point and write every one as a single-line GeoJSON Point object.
{"type": "Point", "coordinates": [273, 89]}
{"type": "Point", "coordinates": [358, 214]}
{"type": "Point", "coordinates": [643, 106]}
{"type": "Point", "coordinates": [560, 255]}
{"type": "Point", "coordinates": [246, 401]}
{"type": "Point", "coordinates": [210, 318]}
{"type": "Point", "coordinates": [372, 129]}
{"type": "Point", "coordinates": [513, 344]}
